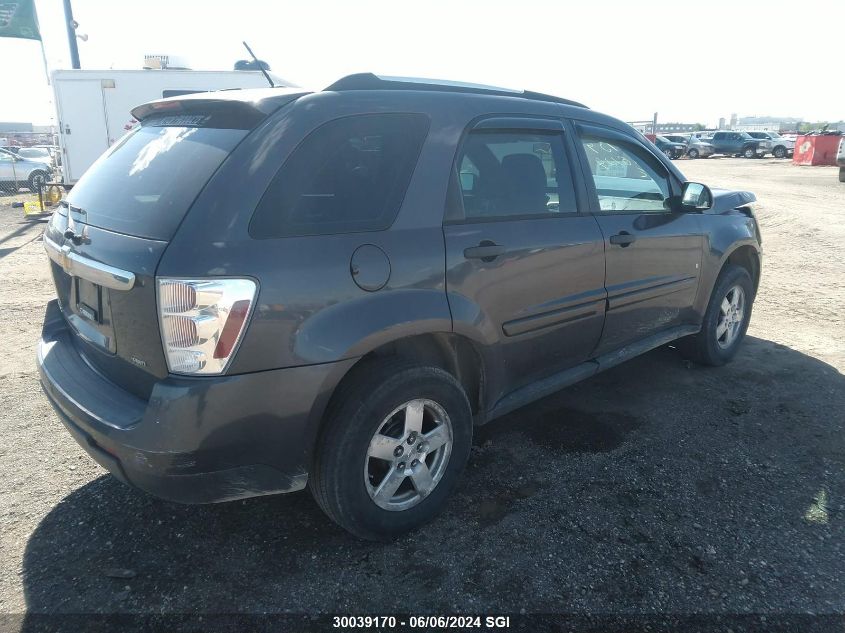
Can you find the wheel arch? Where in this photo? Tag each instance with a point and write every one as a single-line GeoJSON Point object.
{"type": "Point", "coordinates": [728, 247]}
{"type": "Point", "coordinates": [747, 257]}
{"type": "Point", "coordinates": [456, 354]}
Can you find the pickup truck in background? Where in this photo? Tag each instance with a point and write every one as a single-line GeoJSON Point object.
{"type": "Point", "coordinates": [782, 147]}
{"type": "Point", "coordinates": [731, 143]}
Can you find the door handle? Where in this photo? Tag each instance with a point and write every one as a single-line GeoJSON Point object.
{"type": "Point", "coordinates": [486, 251]}
{"type": "Point", "coordinates": [623, 239]}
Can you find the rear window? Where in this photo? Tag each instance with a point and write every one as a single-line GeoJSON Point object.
{"type": "Point", "coordinates": [349, 175]}
{"type": "Point", "coordinates": [145, 183]}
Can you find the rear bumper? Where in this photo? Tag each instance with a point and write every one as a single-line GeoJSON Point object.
{"type": "Point", "coordinates": [197, 440]}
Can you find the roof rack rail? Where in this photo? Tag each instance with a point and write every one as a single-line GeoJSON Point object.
{"type": "Point", "coordinates": [369, 81]}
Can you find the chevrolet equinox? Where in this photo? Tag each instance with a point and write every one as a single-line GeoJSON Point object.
{"type": "Point", "coordinates": [263, 290]}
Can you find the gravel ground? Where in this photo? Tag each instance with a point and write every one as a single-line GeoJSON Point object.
{"type": "Point", "coordinates": [657, 487]}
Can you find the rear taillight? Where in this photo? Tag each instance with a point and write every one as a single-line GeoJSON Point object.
{"type": "Point", "coordinates": [202, 321]}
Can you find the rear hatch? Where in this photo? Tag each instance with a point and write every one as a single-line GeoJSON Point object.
{"type": "Point", "coordinates": [107, 238]}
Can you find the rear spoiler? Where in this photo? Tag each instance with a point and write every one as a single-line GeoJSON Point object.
{"type": "Point", "coordinates": [240, 109]}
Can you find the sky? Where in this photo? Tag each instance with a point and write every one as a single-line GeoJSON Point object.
{"type": "Point", "coordinates": [688, 60]}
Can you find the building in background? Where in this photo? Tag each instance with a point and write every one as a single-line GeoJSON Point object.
{"type": "Point", "coordinates": [768, 123]}
{"type": "Point", "coordinates": [645, 127]}
{"type": "Point", "coordinates": [663, 128]}
{"type": "Point", "coordinates": [20, 134]}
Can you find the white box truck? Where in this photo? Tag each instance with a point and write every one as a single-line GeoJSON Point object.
{"type": "Point", "coordinates": [93, 106]}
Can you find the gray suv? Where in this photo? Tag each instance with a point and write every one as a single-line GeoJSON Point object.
{"type": "Point", "coordinates": [263, 290]}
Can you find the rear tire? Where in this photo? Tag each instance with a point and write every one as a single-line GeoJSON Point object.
{"type": "Point", "coordinates": [779, 152]}
{"type": "Point", "coordinates": [37, 178]}
{"type": "Point", "coordinates": [842, 174]}
{"type": "Point", "coordinates": [384, 428]}
{"type": "Point", "coordinates": [725, 320]}
{"type": "Point", "coordinates": [693, 153]}
{"type": "Point", "coordinates": [749, 152]}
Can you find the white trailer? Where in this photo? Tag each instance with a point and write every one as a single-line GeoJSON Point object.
{"type": "Point", "coordinates": [93, 106]}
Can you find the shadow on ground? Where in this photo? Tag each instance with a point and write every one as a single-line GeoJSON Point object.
{"type": "Point", "coordinates": [656, 487]}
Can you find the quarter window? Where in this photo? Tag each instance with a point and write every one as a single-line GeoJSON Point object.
{"type": "Point", "coordinates": [504, 174]}
{"type": "Point", "coordinates": [626, 178]}
{"type": "Point", "coordinates": [349, 175]}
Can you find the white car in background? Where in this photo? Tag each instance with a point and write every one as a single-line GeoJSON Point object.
{"type": "Point", "coordinates": [782, 147]}
{"type": "Point", "coordinates": [17, 172]}
{"type": "Point", "coordinates": [696, 148]}
{"type": "Point", "coordinates": [840, 159]}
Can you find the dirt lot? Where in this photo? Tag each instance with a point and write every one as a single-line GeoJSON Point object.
{"type": "Point", "coordinates": [657, 487]}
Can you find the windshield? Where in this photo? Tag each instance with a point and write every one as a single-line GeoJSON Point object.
{"type": "Point", "coordinates": [663, 139]}
{"type": "Point", "coordinates": [145, 183]}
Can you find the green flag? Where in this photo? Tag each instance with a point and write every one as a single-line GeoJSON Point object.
{"type": "Point", "coordinates": [18, 19]}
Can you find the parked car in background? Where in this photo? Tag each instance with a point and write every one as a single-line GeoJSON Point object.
{"type": "Point", "coordinates": [733, 143]}
{"type": "Point", "coordinates": [35, 153]}
{"type": "Point", "coordinates": [17, 172]}
{"type": "Point", "coordinates": [695, 147]}
{"type": "Point", "coordinates": [670, 148]}
{"type": "Point", "coordinates": [55, 152]}
{"type": "Point", "coordinates": [332, 289]}
{"type": "Point", "coordinates": [782, 147]}
{"type": "Point", "coordinates": [840, 159]}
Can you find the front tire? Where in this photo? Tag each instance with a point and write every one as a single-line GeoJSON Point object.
{"type": "Point", "coordinates": [394, 443]}
{"type": "Point", "coordinates": [693, 153]}
{"type": "Point", "coordinates": [725, 321]}
{"type": "Point", "coordinates": [842, 174]}
{"type": "Point", "coordinates": [779, 152]}
{"type": "Point", "coordinates": [749, 152]}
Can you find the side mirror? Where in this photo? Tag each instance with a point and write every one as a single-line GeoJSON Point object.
{"type": "Point", "coordinates": [696, 196]}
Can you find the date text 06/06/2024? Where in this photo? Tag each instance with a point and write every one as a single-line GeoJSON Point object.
{"type": "Point", "coordinates": [421, 622]}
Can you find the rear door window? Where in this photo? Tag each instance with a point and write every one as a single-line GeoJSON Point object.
{"type": "Point", "coordinates": [514, 174]}
{"type": "Point", "coordinates": [145, 183]}
{"type": "Point", "coordinates": [349, 175]}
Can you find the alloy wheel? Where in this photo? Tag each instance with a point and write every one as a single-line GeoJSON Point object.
{"type": "Point", "coordinates": [731, 316]}
{"type": "Point", "coordinates": [408, 455]}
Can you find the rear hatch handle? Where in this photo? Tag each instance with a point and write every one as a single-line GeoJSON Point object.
{"type": "Point", "coordinates": [96, 272]}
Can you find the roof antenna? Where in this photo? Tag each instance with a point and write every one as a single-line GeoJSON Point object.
{"type": "Point", "coordinates": [259, 64]}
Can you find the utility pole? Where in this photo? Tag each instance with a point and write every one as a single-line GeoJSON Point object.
{"type": "Point", "coordinates": [71, 35]}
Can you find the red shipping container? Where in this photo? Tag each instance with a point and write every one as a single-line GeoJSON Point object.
{"type": "Point", "coordinates": [815, 149]}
